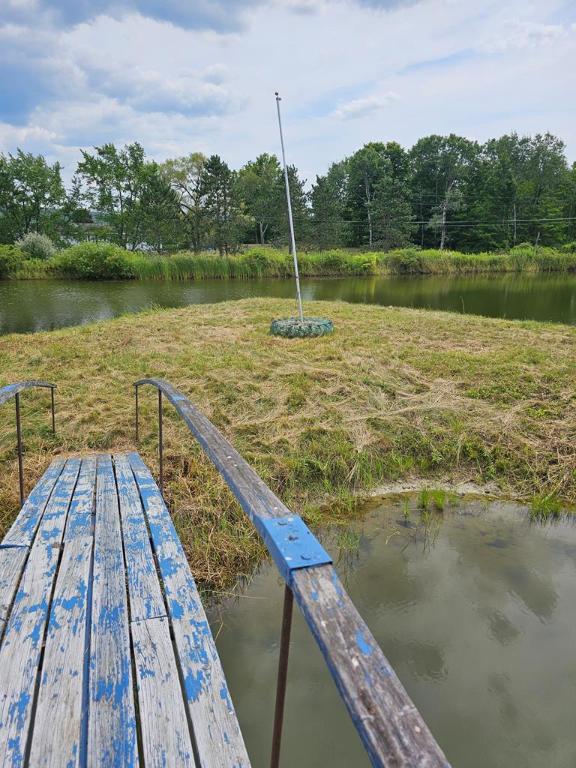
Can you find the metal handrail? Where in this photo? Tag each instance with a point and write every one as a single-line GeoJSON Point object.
{"type": "Point", "coordinates": [391, 728]}
{"type": "Point", "coordinates": [13, 391]}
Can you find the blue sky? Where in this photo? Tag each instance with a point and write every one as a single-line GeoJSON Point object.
{"type": "Point", "coordinates": [182, 76]}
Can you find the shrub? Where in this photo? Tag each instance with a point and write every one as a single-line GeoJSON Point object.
{"type": "Point", "coordinates": [406, 261]}
{"type": "Point", "coordinates": [10, 259]}
{"type": "Point", "coordinates": [95, 261]}
{"type": "Point", "coordinates": [36, 246]}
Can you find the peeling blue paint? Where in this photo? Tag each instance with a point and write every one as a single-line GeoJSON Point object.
{"type": "Point", "coordinates": [193, 684]}
{"type": "Point", "coordinates": [365, 647]}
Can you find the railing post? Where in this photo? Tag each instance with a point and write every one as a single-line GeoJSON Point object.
{"type": "Point", "coordinates": [53, 411]}
{"type": "Point", "coordinates": [136, 419]}
{"type": "Point", "coordinates": [19, 448]}
{"type": "Point", "coordinates": [282, 676]}
{"type": "Point", "coordinates": [160, 442]}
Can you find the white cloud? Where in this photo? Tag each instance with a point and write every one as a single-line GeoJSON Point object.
{"type": "Point", "coordinates": [363, 107]}
{"type": "Point", "coordinates": [177, 90]}
{"type": "Point", "coordinates": [519, 35]}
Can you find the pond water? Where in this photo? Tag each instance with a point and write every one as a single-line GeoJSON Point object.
{"type": "Point", "coordinates": [38, 305]}
{"type": "Point", "coordinates": [475, 611]}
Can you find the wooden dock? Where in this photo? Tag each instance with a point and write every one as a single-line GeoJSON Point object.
{"type": "Point", "coordinates": [106, 655]}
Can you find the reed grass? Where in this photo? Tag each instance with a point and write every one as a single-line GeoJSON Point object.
{"type": "Point", "coordinates": [263, 262]}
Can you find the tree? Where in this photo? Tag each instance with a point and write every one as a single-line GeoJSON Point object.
{"type": "Point", "coordinates": [32, 197]}
{"type": "Point", "coordinates": [375, 174]}
{"type": "Point", "coordinates": [365, 170]}
{"type": "Point", "coordinates": [258, 185]}
{"type": "Point", "coordinates": [184, 176]}
{"type": "Point", "coordinates": [131, 198]}
{"type": "Point", "coordinates": [219, 195]}
{"type": "Point", "coordinates": [441, 167]}
{"type": "Point", "coordinates": [160, 211]}
{"type": "Point", "coordinates": [392, 212]}
{"type": "Point", "coordinates": [328, 200]}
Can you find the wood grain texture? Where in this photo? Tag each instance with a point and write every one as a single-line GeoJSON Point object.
{"type": "Point", "coordinates": [146, 600]}
{"type": "Point", "coordinates": [22, 645]}
{"type": "Point", "coordinates": [390, 726]}
{"type": "Point", "coordinates": [56, 738]}
{"type": "Point", "coordinates": [12, 561]}
{"type": "Point", "coordinates": [166, 736]}
{"type": "Point", "coordinates": [24, 527]}
{"type": "Point", "coordinates": [81, 515]}
{"type": "Point", "coordinates": [112, 719]}
{"type": "Point", "coordinates": [216, 730]}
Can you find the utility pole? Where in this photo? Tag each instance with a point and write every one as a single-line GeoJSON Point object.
{"type": "Point", "coordinates": [290, 219]}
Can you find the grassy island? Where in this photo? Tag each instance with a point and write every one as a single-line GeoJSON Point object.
{"type": "Point", "coordinates": [393, 394]}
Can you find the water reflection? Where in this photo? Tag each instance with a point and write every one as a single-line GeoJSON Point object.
{"type": "Point", "coordinates": [478, 621]}
{"type": "Point", "coordinates": [35, 305]}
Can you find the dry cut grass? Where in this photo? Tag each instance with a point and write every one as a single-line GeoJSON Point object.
{"type": "Point", "coordinates": [395, 393]}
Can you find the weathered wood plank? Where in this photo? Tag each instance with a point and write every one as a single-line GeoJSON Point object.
{"type": "Point", "coordinates": [146, 600]}
{"type": "Point", "coordinates": [81, 515]}
{"type": "Point", "coordinates": [112, 737]}
{"type": "Point", "coordinates": [165, 733]}
{"type": "Point", "coordinates": [58, 719]}
{"type": "Point", "coordinates": [21, 648]}
{"type": "Point", "coordinates": [12, 561]}
{"type": "Point", "coordinates": [216, 730]}
{"type": "Point", "coordinates": [392, 729]}
{"type": "Point", "coordinates": [24, 527]}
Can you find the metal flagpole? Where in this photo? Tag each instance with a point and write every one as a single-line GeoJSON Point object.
{"type": "Point", "coordinates": [290, 219]}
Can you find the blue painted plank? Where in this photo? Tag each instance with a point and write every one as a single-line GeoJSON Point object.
{"type": "Point", "coordinates": [81, 515]}
{"type": "Point", "coordinates": [58, 720]}
{"type": "Point", "coordinates": [166, 739]}
{"type": "Point", "coordinates": [216, 730]}
{"type": "Point", "coordinates": [20, 653]}
{"type": "Point", "coordinates": [12, 561]}
{"type": "Point", "coordinates": [146, 600]}
{"type": "Point", "coordinates": [112, 737]}
{"type": "Point", "coordinates": [22, 532]}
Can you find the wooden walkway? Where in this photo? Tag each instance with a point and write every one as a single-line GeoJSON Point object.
{"type": "Point", "coordinates": [106, 656]}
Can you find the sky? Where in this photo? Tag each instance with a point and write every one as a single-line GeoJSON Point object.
{"type": "Point", "coordinates": [181, 76]}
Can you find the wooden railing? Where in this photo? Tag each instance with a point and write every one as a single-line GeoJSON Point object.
{"type": "Point", "coordinates": [391, 728]}
{"type": "Point", "coordinates": [13, 391]}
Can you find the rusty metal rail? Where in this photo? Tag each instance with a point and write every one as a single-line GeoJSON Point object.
{"type": "Point", "coordinates": [13, 391]}
{"type": "Point", "coordinates": [391, 728]}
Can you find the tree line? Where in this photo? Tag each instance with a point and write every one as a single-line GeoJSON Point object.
{"type": "Point", "coordinates": [444, 192]}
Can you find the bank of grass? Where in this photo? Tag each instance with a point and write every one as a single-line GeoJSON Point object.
{"type": "Point", "coordinates": [102, 261]}
{"type": "Point", "coordinates": [394, 393]}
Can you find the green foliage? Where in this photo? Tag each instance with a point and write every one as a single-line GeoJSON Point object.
{"type": "Point", "coordinates": [104, 261]}
{"type": "Point", "coordinates": [446, 192]}
{"type": "Point", "coordinates": [134, 200]}
{"type": "Point", "coordinates": [10, 259]}
{"type": "Point", "coordinates": [433, 500]}
{"type": "Point", "coordinates": [95, 261]}
{"type": "Point", "coordinates": [36, 246]}
{"type": "Point", "coordinates": [260, 188]}
{"type": "Point", "coordinates": [32, 197]}
{"type": "Point", "coordinates": [545, 507]}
